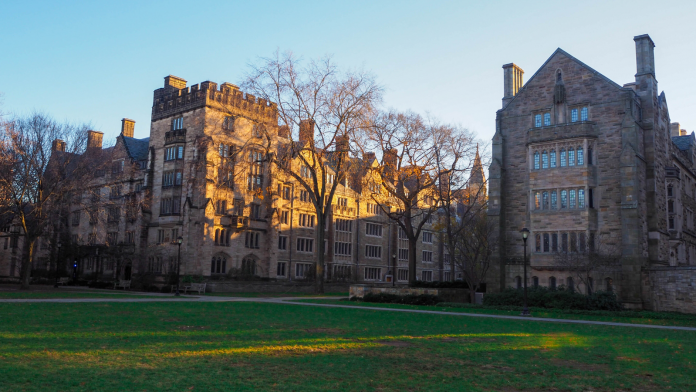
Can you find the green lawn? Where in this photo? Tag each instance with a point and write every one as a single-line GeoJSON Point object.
{"type": "Point", "coordinates": [246, 346]}
{"type": "Point", "coordinates": [682, 320]}
{"type": "Point", "coordinates": [275, 295]}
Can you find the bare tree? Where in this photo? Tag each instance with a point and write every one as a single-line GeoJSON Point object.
{"type": "Point", "coordinates": [417, 154]}
{"type": "Point", "coordinates": [319, 108]}
{"type": "Point", "coordinates": [597, 256]}
{"type": "Point", "coordinates": [41, 164]}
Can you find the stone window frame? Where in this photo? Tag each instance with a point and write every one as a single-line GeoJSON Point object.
{"type": "Point", "coordinates": [540, 117]}
{"type": "Point", "coordinates": [555, 154]}
{"type": "Point", "coordinates": [562, 241]}
{"type": "Point", "coordinates": [579, 112]}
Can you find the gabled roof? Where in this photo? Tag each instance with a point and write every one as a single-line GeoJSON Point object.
{"type": "Point", "coordinates": [561, 51]}
{"type": "Point", "coordinates": [136, 148]}
{"type": "Point", "coordinates": [684, 142]}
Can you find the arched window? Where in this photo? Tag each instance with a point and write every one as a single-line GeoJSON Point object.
{"type": "Point", "coordinates": [217, 236]}
{"type": "Point", "coordinates": [544, 160]}
{"type": "Point", "coordinates": [563, 158]}
{"type": "Point", "coordinates": [571, 157]}
{"type": "Point", "coordinates": [564, 199]}
{"type": "Point", "coordinates": [552, 158]}
{"type": "Point", "coordinates": [535, 282]}
{"type": "Point", "coordinates": [218, 265]}
{"type": "Point", "coordinates": [570, 284]}
{"type": "Point", "coordinates": [536, 160]}
{"type": "Point", "coordinates": [581, 158]}
{"type": "Point", "coordinates": [552, 283]}
{"type": "Point", "coordinates": [248, 266]}
{"type": "Point", "coordinates": [545, 200]}
{"type": "Point", "coordinates": [518, 282]}
{"type": "Point", "coordinates": [609, 284]}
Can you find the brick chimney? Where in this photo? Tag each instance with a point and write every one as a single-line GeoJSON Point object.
{"type": "Point", "coordinates": [512, 81]}
{"type": "Point", "coordinates": [127, 127]}
{"type": "Point", "coordinates": [58, 145]}
{"type": "Point", "coordinates": [306, 132]}
{"type": "Point", "coordinates": [174, 82]}
{"type": "Point", "coordinates": [94, 139]}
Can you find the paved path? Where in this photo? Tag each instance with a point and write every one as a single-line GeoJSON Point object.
{"type": "Point", "coordinates": [292, 301]}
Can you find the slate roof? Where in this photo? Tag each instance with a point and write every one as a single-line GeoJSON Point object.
{"type": "Point", "coordinates": [137, 148]}
{"type": "Point", "coordinates": [684, 142]}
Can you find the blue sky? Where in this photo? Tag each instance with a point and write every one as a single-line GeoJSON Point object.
{"type": "Point", "coordinates": [97, 62]}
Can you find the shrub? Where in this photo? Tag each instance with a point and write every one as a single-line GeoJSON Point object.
{"type": "Point", "coordinates": [423, 299]}
{"type": "Point", "coordinates": [543, 297]}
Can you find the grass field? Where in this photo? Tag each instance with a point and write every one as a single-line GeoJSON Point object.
{"type": "Point", "coordinates": [683, 320]}
{"type": "Point", "coordinates": [264, 346]}
{"type": "Point", "coordinates": [67, 294]}
{"type": "Point", "coordinates": [276, 294]}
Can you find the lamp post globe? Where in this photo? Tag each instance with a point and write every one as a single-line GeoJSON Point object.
{"type": "Point", "coordinates": [525, 235]}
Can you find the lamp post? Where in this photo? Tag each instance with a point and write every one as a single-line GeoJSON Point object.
{"type": "Point", "coordinates": [58, 245]}
{"type": "Point", "coordinates": [525, 234]}
{"type": "Point", "coordinates": [394, 274]}
{"type": "Point", "coordinates": [179, 240]}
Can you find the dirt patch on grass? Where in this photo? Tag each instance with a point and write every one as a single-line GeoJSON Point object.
{"type": "Point", "coordinates": [590, 367]}
{"type": "Point", "coordinates": [333, 331]}
{"type": "Point", "coordinates": [394, 343]}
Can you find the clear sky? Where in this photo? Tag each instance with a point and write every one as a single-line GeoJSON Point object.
{"type": "Point", "coordinates": [99, 61]}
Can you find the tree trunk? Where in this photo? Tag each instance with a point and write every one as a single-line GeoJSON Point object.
{"type": "Point", "coordinates": [319, 270]}
{"type": "Point", "coordinates": [27, 263]}
{"type": "Point", "coordinates": [412, 246]}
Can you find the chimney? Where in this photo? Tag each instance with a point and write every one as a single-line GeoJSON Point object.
{"type": "Point", "coordinates": [645, 55]}
{"type": "Point", "coordinates": [174, 82]}
{"type": "Point", "coordinates": [284, 131]}
{"type": "Point", "coordinates": [127, 127]}
{"type": "Point", "coordinates": [307, 132]}
{"type": "Point", "coordinates": [94, 140]}
{"type": "Point", "coordinates": [674, 129]}
{"type": "Point", "coordinates": [512, 81]}
{"type": "Point", "coordinates": [58, 145]}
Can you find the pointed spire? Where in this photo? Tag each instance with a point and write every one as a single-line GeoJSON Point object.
{"type": "Point", "coordinates": [477, 177]}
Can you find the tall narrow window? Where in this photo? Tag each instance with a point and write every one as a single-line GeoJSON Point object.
{"type": "Point", "coordinates": [554, 201]}
{"type": "Point", "coordinates": [589, 156]}
{"type": "Point", "coordinates": [563, 158]}
{"type": "Point", "coordinates": [537, 239]}
{"type": "Point", "coordinates": [571, 157]}
{"type": "Point", "coordinates": [545, 200]}
{"type": "Point", "coordinates": [564, 242]}
{"type": "Point", "coordinates": [572, 198]}
{"type": "Point", "coordinates": [583, 114]}
{"type": "Point", "coordinates": [581, 158]}
{"type": "Point", "coordinates": [547, 119]}
{"type": "Point", "coordinates": [554, 242]}
{"type": "Point", "coordinates": [574, 115]}
{"type": "Point", "coordinates": [544, 160]}
{"type": "Point", "coordinates": [552, 158]}
{"type": "Point", "coordinates": [564, 199]}
{"type": "Point", "coordinates": [581, 198]}
{"type": "Point", "coordinates": [537, 201]}
{"type": "Point", "coordinates": [537, 120]}
{"type": "Point", "coordinates": [546, 242]}
{"type": "Point", "coordinates": [590, 202]}
{"type": "Point", "coordinates": [670, 206]}
{"type": "Point", "coordinates": [670, 191]}
{"type": "Point", "coordinates": [536, 161]}
{"type": "Point", "coordinates": [178, 123]}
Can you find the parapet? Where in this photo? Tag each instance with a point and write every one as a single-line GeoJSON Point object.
{"type": "Point", "coordinates": [169, 101]}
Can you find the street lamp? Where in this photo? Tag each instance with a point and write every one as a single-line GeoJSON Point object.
{"type": "Point", "coordinates": [525, 234]}
{"type": "Point", "coordinates": [179, 240]}
{"type": "Point", "coordinates": [394, 274]}
{"type": "Point", "coordinates": [58, 245]}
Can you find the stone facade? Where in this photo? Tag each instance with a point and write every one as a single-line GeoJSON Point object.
{"type": "Point", "coordinates": [580, 160]}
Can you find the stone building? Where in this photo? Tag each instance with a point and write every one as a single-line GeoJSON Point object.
{"type": "Point", "coordinates": [584, 163]}
{"type": "Point", "coordinates": [201, 175]}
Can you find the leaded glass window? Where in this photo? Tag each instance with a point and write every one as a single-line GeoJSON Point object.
{"type": "Point", "coordinates": [554, 201]}
{"type": "Point", "coordinates": [554, 242]}
{"type": "Point", "coordinates": [544, 160]}
{"type": "Point", "coordinates": [546, 242]}
{"type": "Point", "coordinates": [536, 161]}
{"type": "Point", "coordinates": [572, 198]}
{"type": "Point", "coordinates": [574, 115]}
{"type": "Point", "coordinates": [583, 114]}
{"type": "Point", "coordinates": [537, 200]}
{"type": "Point", "coordinates": [564, 199]}
{"type": "Point", "coordinates": [537, 120]}
{"type": "Point", "coordinates": [547, 119]}
{"type": "Point", "coordinates": [581, 198]}
{"type": "Point", "coordinates": [552, 158]}
{"type": "Point", "coordinates": [563, 158]}
{"type": "Point", "coordinates": [571, 157]}
{"type": "Point", "coordinates": [545, 200]}
{"type": "Point", "coordinates": [538, 242]}
{"type": "Point", "coordinates": [581, 157]}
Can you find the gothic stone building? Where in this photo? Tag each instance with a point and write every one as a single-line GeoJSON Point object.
{"type": "Point", "coordinates": [200, 176]}
{"type": "Point", "coordinates": [580, 160]}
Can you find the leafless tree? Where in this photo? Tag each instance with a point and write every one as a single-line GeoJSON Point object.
{"type": "Point", "coordinates": [36, 174]}
{"type": "Point", "coordinates": [319, 108]}
{"type": "Point", "coordinates": [598, 256]}
{"type": "Point", "coordinates": [417, 154]}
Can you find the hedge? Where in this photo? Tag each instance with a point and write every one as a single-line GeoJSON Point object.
{"type": "Point", "coordinates": [543, 297]}
{"type": "Point", "coordinates": [423, 299]}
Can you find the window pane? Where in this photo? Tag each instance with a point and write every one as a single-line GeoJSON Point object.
{"type": "Point", "coordinates": [564, 199]}
{"type": "Point", "coordinates": [536, 161]}
{"type": "Point", "coordinates": [547, 119]}
{"type": "Point", "coordinates": [554, 201]}
{"type": "Point", "coordinates": [553, 158]}
{"type": "Point", "coordinates": [554, 242]}
{"type": "Point", "coordinates": [581, 158]}
{"type": "Point", "coordinates": [544, 160]}
{"type": "Point", "coordinates": [537, 120]}
{"type": "Point", "coordinates": [537, 201]}
{"type": "Point", "coordinates": [572, 198]}
{"type": "Point", "coordinates": [545, 200]}
{"type": "Point", "coordinates": [546, 242]}
{"type": "Point", "coordinates": [563, 158]}
{"type": "Point", "coordinates": [581, 198]}
{"type": "Point", "coordinates": [583, 114]}
{"type": "Point", "coordinates": [574, 115]}
{"type": "Point", "coordinates": [538, 242]}
{"type": "Point", "coordinates": [571, 157]}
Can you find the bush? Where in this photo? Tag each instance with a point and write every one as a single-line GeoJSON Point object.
{"type": "Point", "coordinates": [423, 299]}
{"type": "Point", "coordinates": [543, 297]}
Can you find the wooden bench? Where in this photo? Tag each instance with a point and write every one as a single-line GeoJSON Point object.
{"type": "Point", "coordinates": [125, 284]}
{"type": "Point", "coordinates": [200, 287]}
{"type": "Point", "coordinates": [63, 280]}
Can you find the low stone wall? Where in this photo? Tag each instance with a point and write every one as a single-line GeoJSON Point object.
{"type": "Point", "coordinates": [447, 295]}
{"type": "Point", "coordinates": [670, 289]}
{"type": "Point", "coordinates": [271, 287]}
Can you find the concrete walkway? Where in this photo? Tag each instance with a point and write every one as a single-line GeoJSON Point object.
{"type": "Point", "coordinates": [292, 301]}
